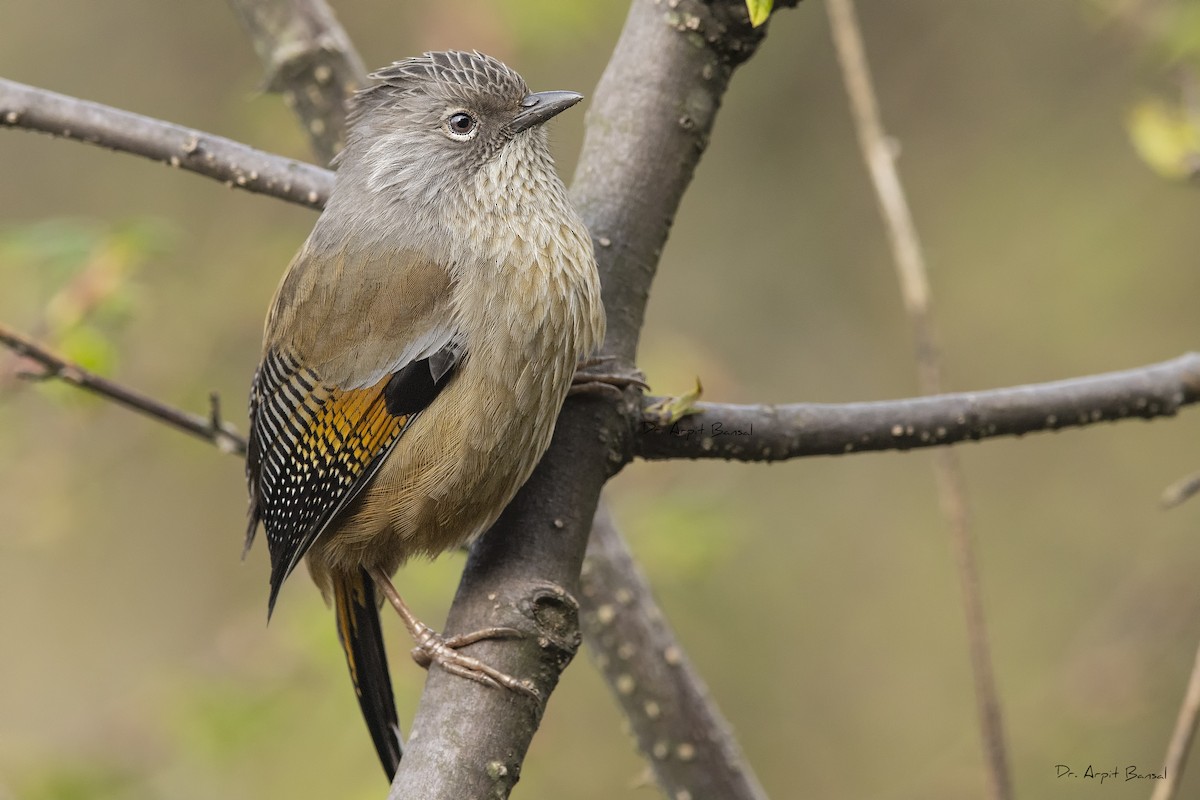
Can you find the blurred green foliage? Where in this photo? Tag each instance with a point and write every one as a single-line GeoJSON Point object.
{"type": "Point", "coordinates": [546, 25]}
{"type": "Point", "coordinates": [81, 274]}
{"type": "Point", "coordinates": [1166, 137]}
{"type": "Point", "coordinates": [1165, 130]}
{"type": "Point", "coordinates": [98, 781]}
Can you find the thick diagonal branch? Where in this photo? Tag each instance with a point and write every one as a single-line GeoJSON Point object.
{"type": "Point", "coordinates": [662, 695]}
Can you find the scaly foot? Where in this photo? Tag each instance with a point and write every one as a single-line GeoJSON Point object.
{"type": "Point", "coordinates": [612, 382]}
{"type": "Point", "coordinates": [433, 648]}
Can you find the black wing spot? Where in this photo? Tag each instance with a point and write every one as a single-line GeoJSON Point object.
{"type": "Point", "coordinates": [412, 388]}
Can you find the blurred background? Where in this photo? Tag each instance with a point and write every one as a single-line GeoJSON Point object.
{"type": "Point", "coordinates": [817, 597]}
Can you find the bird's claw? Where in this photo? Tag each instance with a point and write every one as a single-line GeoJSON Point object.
{"type": "Point", "coordinates": [433, 648]}
{"type": "Point", "coordinates": [612, 382]}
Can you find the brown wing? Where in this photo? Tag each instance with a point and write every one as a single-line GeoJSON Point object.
{"type": "Point", "coordinates": [312, 449]}
{"type": "Point", "coordinates": [358, 341]}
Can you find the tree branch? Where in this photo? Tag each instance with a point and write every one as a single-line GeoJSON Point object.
{"type": "Point", "coordinates": [687, 742]}
{"type": "Point", "coordinates": [211, 430]}
{"type": "Point", "coordinates": [780, 432]}
{"type": "Point", "coordinates": [310, 60]}
{"type": "Point", "coordinates": [237, 165]}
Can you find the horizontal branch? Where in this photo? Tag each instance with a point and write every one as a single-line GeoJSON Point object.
{"type": "Point", "coordinates": [780, 432]}
{"type": "Point", "coordinates": [233, 163]}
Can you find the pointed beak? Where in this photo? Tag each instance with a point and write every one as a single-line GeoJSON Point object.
{"type": "Point", "coordinates": [538, 107]}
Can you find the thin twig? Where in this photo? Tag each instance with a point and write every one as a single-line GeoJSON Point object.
{"type": "Point", "coordinates": [1180, 491]}
{"type": "Point", "coordinates": [914, 285]}
{"type": "Point", "coordinates": [54, 366]}
{"type": "Point", "coordinates": [1181, 738]}
{"type": "Point", "coordinates": [233, 163]}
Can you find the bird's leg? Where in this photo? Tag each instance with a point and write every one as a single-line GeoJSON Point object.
{"type": "Point", "coordinates": [611, 381]}
{"type": "Point", "coordinates": [433, 648]}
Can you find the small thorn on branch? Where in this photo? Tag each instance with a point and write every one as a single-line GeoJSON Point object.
{"type": "Point", "coordinates": [1180, 491]}
{"type": "Point", "coordinates": [224, 435]}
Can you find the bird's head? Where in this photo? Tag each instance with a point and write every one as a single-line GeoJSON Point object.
{"type": "Point", "coordinates": [428, 125]}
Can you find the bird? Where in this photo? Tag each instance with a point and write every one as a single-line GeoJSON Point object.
{"type": "Point", "coordinates": [418, 350]}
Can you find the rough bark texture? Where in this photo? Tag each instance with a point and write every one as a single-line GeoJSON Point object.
{"type": "Point", "coordinates": [233, 163]}
{"type": "Point", "coordinates": [689, 746]}
{"type": "Point", "coordinates": [647, 127]}
{"type": "Point", "coordinates": [309, 60]}
{"type": "Point", "coordinates": [810, 429]}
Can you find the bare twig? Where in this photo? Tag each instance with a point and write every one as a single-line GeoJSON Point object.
{"type": "Point", "coordinates": [914, 285]}
{"type": "Point", "coordinates": [56, 367]}
{"type": "Point", "coordinates": [1181, 738]}
{"type": "Point", "coordinates": [780, 432]}
{"type": "Point", "coordinates": [310, 60]}
{"type": "Point", "coordinates": [237, 165]}
{"type": "Point", "coordinates": [690, 747]}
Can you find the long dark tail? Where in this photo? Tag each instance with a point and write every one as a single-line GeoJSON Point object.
{"type": "Point", "coordinates": [362, 640]}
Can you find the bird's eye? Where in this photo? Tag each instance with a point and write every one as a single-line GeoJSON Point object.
{"type": "Point", "coordinates": [460, 125]}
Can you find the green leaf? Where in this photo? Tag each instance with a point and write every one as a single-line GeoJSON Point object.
{"type": "Point", "coordinates": [1166, 138]}
{"type": "Point", "coordinates": [759, 11]}
{"type": "Point", "coordinates": [670, 410]}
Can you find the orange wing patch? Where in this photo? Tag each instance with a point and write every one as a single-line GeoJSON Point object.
{"type": "Point", "coordinates": [350, 429]}
{"type": "Point", "coordinates": [313, 448]}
